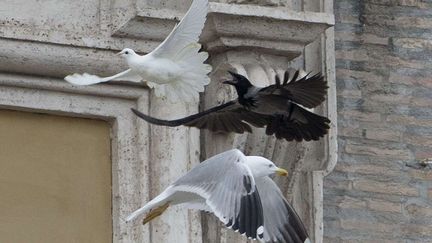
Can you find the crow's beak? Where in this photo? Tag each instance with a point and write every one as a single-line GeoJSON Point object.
{"type": "Point", "coordinates": [233, 74]}
{"type": "Point", "coordinates": [236, 76]}
{"type": "Point", "coordinates": [231, 82]}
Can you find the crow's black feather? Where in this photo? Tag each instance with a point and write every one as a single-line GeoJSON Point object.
{"type": "Point", "coordinates": [276, 107]}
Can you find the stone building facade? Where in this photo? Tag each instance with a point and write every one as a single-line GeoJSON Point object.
{"type": "Point", "coordinates": [381, 71]}
{"type": "Point", "coordinates": [42, 41]}
{"type": "Point", "coordinates": [384, 93]}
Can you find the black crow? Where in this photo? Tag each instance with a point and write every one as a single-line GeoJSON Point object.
{"type": "Point", "coordinates": [278, 107]}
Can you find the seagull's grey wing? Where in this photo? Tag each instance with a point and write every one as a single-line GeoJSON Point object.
{"type": "Point", "coordinates": [88, 79]}
{"type": "Point", "coordinates": [281, 222]}
{"type": "Point", "coordinates": [228, 117]}
{"type": "Point", "coordinates": [228, 188]}
{"type": "Point", "coordinates": [186, 32]}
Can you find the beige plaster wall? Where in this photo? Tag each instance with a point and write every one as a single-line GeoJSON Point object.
{"type": "Point", "coordinates": [55, 179]}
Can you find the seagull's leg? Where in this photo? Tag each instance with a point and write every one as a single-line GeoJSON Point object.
{"type": "Point", "coordinates": [155, 213]}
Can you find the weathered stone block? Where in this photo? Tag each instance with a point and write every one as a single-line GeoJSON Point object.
{"type": "Point", "coordinates": [384, 206]}
{"type": "Point", "coordinates": [361, 116]}
{"type": "Point", "coordinates": [410, 80]}
{"type": "Point", "coordinates": [409, 120]}
{"type": "Point", "coordinates": [385, 187]}
{"type": "Point", "coordinates": [379, 152]}
{"type": "Point", "coordinates": [419, 211]}
{"type": "Point", "coordinates": [353, 224]}
{"type": "Point", "coordinates": [259, 2]}
{"type": "Point", "coordinates": [383, 134]}
{"type": "Point", "coordinates": [368, 169]}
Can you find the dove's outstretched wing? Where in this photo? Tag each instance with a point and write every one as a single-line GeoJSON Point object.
{"type": "Point", "coordinates": [88, 79]}
{"type": "Point", "coordinates": [182, 48]}
{"type": "Point", "coordinates": [186, 32]}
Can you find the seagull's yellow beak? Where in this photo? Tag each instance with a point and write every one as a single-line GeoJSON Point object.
{"type": "Point", "coordinates": [281, 172]}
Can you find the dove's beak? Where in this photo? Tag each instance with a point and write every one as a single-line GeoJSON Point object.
{"type": "Point", "coordinates": [118, 53]}
{"type": "Point", "coordinates": [281, 172]}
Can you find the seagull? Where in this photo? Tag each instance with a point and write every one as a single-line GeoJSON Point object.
{"type": "Point", "coordinates": [279, 107]}
{"type": "Point", "coordinates": [175, 69]}
{"type": "Point", "coordinates": [237, 189]}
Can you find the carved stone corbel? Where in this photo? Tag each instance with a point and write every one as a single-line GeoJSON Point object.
{"type": "Point", "coordinates": [261, 70]}
{"type": "Point", "coordinates": [305, 161]}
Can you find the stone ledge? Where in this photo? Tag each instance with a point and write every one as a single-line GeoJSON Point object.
{"type": "Point", "coordinates": [59, 52]}
{"type": "Point", "coordinates": [274, 30]}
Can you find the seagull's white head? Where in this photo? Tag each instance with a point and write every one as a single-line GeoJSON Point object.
{"type": "Point", "coordinates": [261, 166]}
{"type": "Point", "coordinates": [127, 53]}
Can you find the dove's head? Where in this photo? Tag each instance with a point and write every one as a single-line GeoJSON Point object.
{"type": "Point", "coordinates": [126, 53]}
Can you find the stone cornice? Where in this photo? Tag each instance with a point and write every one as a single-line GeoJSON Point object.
{"type": "Point", "coordinates": [56, 52]}
{"type": "Point", "coordinates": [275, 30]}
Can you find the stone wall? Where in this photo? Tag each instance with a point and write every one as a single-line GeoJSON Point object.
{"type": "Point", "coordinates": [384, 84]}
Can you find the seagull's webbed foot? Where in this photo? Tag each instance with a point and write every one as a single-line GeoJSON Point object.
{"type": "Point", "coordinates": [155, 213]}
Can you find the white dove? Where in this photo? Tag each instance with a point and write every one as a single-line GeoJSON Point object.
{"type": "Point", "coordinates": [175, 69]}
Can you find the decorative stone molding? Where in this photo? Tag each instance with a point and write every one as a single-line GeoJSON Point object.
{"type": "Point", "coordinates": [144, 160]}
{"type": "Point", "coordinates": [257, 2]}
{"type": "Point", "coordinates": [304, 160]}
{"type": "Point", "coordinates": [274, 30]}
{"type": "Point", "coordinates": [129, 150]}
{"type": "Point", "coordinates": [87, 45]}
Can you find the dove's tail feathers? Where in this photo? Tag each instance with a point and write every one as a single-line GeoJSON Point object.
{"type": "Point", "coordinates": [83, 79]}
{"type": "Point", "coordinates": [89, 79]}
{"type": "Point", "coordinates": [193, 80]}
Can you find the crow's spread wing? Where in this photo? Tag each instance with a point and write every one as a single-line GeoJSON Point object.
{"type": "Point", "coordinates": [295, 124]}
{"type": "Point", "coordinates": [228, 117]}
{"type": "Point", "coordinates": [298, 124]}
{"type": "Point", "coordinates": [306, 91]}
